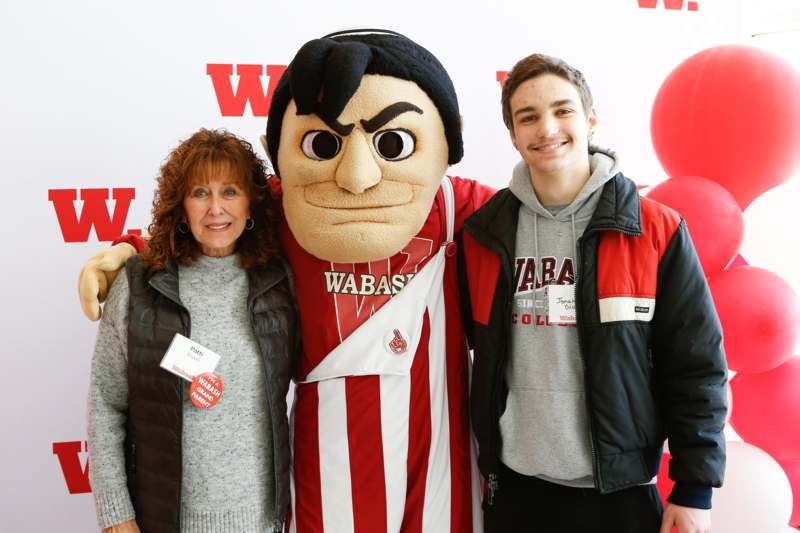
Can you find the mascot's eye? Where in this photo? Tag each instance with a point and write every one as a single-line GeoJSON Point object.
{"type": "Point", "coordinates": [321, 145]}
{"type": "Point", "coordinates": [394, 145]}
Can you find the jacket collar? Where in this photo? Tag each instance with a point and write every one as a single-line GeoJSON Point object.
{"type": "Point", "coordinates": [618, 208]}
{"type": "Point", "coordinates": [262, 279]}
{"type": "Point", "coordinates": [495, 224]}
{"type": "Point", "coordinates": [166, 282]}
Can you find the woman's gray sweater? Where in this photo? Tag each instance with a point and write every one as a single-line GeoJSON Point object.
{"type": "Point", "coordinates": [228, 483]}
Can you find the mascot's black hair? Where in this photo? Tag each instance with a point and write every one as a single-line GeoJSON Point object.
{"type": "Point", "coordinates": [334, 65]}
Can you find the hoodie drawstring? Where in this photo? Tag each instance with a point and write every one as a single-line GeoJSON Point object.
{"type": "Point", "coordinates": [574, 247]}
{"type": "Point", "coordinates": [540, 268]}
{"type": "Point", "coordinates": [538, 260]}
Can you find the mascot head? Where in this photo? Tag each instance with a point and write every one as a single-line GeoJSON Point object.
{"type": "Point", "coordinates": [362, 127]}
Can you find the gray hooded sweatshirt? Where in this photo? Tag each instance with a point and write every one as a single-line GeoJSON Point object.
{"type": "Point", "coordinates": [545, 427]}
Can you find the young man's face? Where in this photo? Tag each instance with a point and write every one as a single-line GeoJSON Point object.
{"type": "Point", "coordinates": [550, 127]}
{"type": "Point", "coordinates": [362, 196]}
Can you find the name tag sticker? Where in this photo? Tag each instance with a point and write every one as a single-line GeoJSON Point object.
{"type": "Point", "coordinates": [560, 304]}
{"type": "Point", "coordinates": [188, 359]}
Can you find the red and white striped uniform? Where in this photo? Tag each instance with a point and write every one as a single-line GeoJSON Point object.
{"type": "Point", "coordinates": [381, 438]}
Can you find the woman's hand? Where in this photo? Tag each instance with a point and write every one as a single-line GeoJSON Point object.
{"type": "Point", "coordinates": [125, 527]}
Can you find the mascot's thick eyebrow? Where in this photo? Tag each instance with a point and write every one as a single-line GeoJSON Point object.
{"type": "Point", "coordinates": [398, 108]}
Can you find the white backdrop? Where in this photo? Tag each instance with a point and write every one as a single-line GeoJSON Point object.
{"type": "Point", "coordinates": [94, 94]}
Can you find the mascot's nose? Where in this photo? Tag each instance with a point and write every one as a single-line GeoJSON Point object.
{"type": "Point", "coordinates": [357, 169]}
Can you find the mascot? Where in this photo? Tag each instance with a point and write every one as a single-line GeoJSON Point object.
{"type": "Point", "coordinates": [362, 128]}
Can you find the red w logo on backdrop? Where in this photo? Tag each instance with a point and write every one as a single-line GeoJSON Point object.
{"type": "Point", "coordinates": [75, 475]}
{"type": "Point", "coordinates": [94, 213]}
{"type": "Point", "coordinates": [675, 5]}
{"type": "Point", "coordinates": [250, 89]}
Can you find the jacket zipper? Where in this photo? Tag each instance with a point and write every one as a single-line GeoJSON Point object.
{"type": "Point", "coordinates": [278, 527]}
{"type": "Point", "coordinates": [271, 412]}
{"type": "Point", "coordinates": [183, 393]}
{"type": "Point", "coordinates": [587, 388]}
{"type": "Point", "coordinates": [493, 486]}
{"type": "Point", "coordinates": [578, 293]}
{"type": "Point", "coordinates": [133, 459]}
{"type": "Point", "coordinates": [494, 483]}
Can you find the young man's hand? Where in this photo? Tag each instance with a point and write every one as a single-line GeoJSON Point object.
{"type": "Point", "coordinates": [685, 519]}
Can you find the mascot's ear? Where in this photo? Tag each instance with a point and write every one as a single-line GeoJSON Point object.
{"type": "Point", "coordinates": [273, 181]}
{"type": "Point", "coordinates": [271, 167]}
{"type": "Point", "coordinates": [263, 140]}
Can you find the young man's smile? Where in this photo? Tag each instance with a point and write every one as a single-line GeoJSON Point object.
{"type": "Point", "coordinates": [548, 147]}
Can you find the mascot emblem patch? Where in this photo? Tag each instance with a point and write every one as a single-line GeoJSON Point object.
{"type": "Point", "coordinates": [397, 343]}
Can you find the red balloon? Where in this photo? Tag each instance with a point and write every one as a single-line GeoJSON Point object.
{"type": "Point", "coordinates": [767, 412]}
{"type": "Point", "coordinates": [760, 316]}
{"type": "Point", "coordinates": [732, 114]}
{"type": "Point", "coordinates": [712, 215]}
{"type": "Point", "coordinates": [792, 469]}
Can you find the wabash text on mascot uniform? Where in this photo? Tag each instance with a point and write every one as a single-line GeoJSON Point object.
{"type": "Point", "coordinates": [361, 131]}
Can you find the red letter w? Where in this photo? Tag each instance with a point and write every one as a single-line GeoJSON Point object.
{"type": "Point", "coordinates": [94, 213]}
{"type": "Point", "coordinates": [249, 89]}
{"type": "Point", "coordinates": [77, 477]}
{"type": "Point", "coordinates": [669, 4]}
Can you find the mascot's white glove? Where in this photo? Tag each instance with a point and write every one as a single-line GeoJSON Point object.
{"type": "Point", "coordinates": [98, 275]}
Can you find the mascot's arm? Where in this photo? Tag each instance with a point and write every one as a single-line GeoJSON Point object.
{"type": "Point", "coordinates": [469, 197]}
{"type": "Point", "coordinates": [99, 273]}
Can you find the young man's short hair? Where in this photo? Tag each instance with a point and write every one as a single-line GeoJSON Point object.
{"type": "Point", "coordinates": [535, 65]}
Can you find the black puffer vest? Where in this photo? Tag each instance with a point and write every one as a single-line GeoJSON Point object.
{"type": "Point", "coordinates": [155, 416]}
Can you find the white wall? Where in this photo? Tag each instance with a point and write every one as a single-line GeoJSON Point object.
{"type": "Point", "coordinates": [94, 94]}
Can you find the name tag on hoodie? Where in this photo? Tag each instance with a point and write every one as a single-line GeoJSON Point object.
{"type": "Point", "coordinates": [560, 304]}
{"type": "Point", "coordinates": [187, 359]}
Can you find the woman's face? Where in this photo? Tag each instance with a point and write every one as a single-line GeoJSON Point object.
{"type": "Point", "coordinates": [217, 212]}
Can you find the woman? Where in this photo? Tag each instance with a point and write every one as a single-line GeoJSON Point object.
{"type": "Point", "coordinates": [212, 273]}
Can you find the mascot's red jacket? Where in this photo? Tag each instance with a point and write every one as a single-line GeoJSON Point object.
{"type": "Point", "coordinates": [381, 427]}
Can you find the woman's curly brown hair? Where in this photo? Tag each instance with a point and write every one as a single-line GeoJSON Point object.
{"type": "Point", "coordinates": [206, 154]}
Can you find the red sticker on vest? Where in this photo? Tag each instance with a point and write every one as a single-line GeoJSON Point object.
{"type": "Point", "coordinates": [206, 390]}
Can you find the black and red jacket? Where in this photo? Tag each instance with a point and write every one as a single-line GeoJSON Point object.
{"type": "Point", "coordinates": [649, 337]}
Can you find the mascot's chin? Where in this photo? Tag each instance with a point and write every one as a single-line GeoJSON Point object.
{"type": "Point", "coordinates": [356, 234]}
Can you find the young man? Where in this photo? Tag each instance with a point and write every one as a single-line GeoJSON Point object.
{"type": "Point", "coordinates": [594, 333]}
